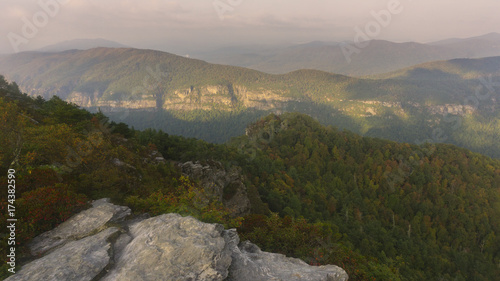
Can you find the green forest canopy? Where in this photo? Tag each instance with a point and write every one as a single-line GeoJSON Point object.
{"type": "Point", "coordinates": [380, 209]}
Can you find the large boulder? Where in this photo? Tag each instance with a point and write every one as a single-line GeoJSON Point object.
{"type": "Point", "coordinates": [81, 225]}
{"type": "Point", "coordinates": [172, 247]}
{"type": "Point", "coordinates": [81, 260]}
{"type": "Point", "coordinates": [104, 246]}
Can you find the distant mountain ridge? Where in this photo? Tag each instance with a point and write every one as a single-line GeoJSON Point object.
{"type": "Point", "coordinates": [378, 57]}
{"type": "Point", "coordinates": [81, 44]}
{"type": "Point", "coordinates": [436, 70]}
{"type": "Point", "coordinates": [493, 36]}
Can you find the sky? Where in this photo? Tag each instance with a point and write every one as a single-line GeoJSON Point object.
{"type": "Point", "coordinates": [192, 25]}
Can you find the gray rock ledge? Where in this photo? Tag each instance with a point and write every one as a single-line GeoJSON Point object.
{"type": "Point", "coordinates": [98, 244]}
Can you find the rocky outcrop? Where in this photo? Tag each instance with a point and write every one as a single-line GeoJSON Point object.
{"type": "Point", "coordinates": [225, 97]}
{"type": "Point", "coordinates": [174, 247]}
{"type": "Point", "coordinates": [454, 109]}
{"type": "Point", "coordinates": [81, 225]}
{"type": "Point", "coordinates": [249, 263]}
{"type": "Point", "coordinates": [76, 260]}
{"type": "Point", "coordinates": [111, 100]}
{"type": "Point", "coordinates": [104, 246]}
{"type": "Point", "coordinates": [224, 185]}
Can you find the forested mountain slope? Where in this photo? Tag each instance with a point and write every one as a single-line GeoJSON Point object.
{"type": "Point", "coordinates": [382, 210]}
{"type": "Point", "coordinates": [448, 101]}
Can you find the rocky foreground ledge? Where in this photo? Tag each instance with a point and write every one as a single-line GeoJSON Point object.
{"type": "Point", "coordinates": [101, 244]}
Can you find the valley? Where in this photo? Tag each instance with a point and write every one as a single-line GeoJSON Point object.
{"type": "Point", "coordinates": [451, 101]}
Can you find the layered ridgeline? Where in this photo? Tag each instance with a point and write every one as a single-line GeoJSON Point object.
{"type": "Point", "coordinates": [449, 101]}
{"type": "Point", "coordinates": [379, 209]}
{"type": "Point", "coordinates": [367, 58]}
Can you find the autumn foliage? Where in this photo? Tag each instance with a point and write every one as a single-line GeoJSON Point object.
{"type": "Point", "coordinates": [44, 208]}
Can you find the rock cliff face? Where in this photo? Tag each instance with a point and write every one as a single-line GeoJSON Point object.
{"type": "Point", "coordinates": [101, 244]}
{"type": "Point", "coordinates": [224, 97]}
{"type": "Point", "coordinates": [454, 109]}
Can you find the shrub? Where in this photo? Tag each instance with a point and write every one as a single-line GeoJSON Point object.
{"type": "Point", "coordinates": [187, 199]}
{"type": "Point", "coordinates": [46, 207]}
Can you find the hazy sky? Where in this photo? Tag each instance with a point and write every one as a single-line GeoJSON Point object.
{"type": "Point", "coordinates": [189, 25]}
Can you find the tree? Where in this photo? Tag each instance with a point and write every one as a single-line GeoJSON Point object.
{"type": "Point", "coordinates": [12, 125]}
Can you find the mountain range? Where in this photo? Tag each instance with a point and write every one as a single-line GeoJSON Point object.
{"type": "Point", "coordinates": [444, 101]}
{"type": "Point", "coordinates": [377, 57]}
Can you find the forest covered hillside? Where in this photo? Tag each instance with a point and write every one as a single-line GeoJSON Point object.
{"type": "Point", "coordinates": [447, 101]}
{"type": "Point", "coordinates": [381, 210]}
